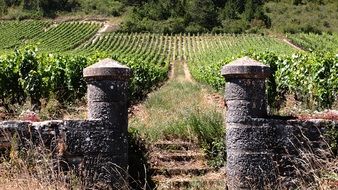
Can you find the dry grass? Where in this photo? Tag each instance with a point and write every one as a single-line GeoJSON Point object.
{"type": "Point", "coordinates": [34, 169]}
{"type": "Point", "coordinates": [39, 168]}
{"type": "Point", "coordinates": [314, 169]}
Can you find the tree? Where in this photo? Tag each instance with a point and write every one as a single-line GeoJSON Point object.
{"type": "Point", "coordinates": [3, 7]}
{"type": "Point", "coordinates": [203, 13]}
{"type": "Point", "coordinates": [230, 10]}
{"type": "Point", "coordinates": [249, 10]}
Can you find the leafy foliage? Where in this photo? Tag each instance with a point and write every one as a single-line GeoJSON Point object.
{"type": "Point", "coordinates": [205, 63]}
{"type": "Point", "coordinates": [27, 74]}
{"type": "Point", "coordinates": [297, 16]}
{"type": "Point", "coordinates": [146, 54]}
{"type": "Point", "coordinates": [56, 38]}
{"type": "Point", "coordinates": [65, 36]}
{"type": "Point", "coordinates": [194, 16]}
{"type": "Point", "coordinates": [311, 78]}
{"type": "Point", "coordinates": [14, 33]}
{"type": "Point", "coordinates": [209, 129]}
{"type": "Point", "coordinates": [316, 42]}
{"type": "Point", "coordinates": [50, 8]}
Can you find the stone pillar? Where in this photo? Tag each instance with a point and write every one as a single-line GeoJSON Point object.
{"type": "Point", "coordinates": [249, 141]}
{"type": "Point", "coordinates": [107, 91]}
{"type": "Point", "coordinates": [107, 94]}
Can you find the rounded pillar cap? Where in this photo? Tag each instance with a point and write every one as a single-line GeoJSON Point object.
{"type": "Point", "coordinates": [107, 69]}
{"type": "Point", "coordinates": [246, 68]}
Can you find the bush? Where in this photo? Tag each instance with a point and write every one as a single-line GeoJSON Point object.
{"type": "Point", "coordinates": [311, 78]}
{"type": "Point", "coordinates": [234, 26]}
{"type": "Point", "coordinates": [195, 28]}
{"type": "Point", "coordinates": [29, 75]}
{"type": "Point", "coordinates": [104, 7]}
{"type": "Point", "coordinates": [209, 129]}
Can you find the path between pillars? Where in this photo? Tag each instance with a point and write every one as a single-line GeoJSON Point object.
{"type": "Point", "coordinates": [176, 158]}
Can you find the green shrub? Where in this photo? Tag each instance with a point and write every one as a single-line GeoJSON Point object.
{"type": "Point", "coordinates": [27, 74]}
{"type": "Point", "coordinates": [104, 7]}
{"type": "Point", "coordinates": [311, 78]}
{"type": "Point", "coordinates": [208, 125]}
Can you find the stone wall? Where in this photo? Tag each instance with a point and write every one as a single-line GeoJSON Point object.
{"type": "Point", "coordinates": [294, 148]}
{"type": "Point", "coordinates": [265, 152]}
{"type": "Point", "coordinates": [88, 146]}
{"type": "Point", "coordinates": [302, 149]}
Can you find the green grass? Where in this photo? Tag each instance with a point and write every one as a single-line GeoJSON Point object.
{"type": "Point", "coordinates": [181, 110]}
{"type": "Point", "coordinates": [167, 112]}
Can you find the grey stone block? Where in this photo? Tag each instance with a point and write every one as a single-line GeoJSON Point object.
{"type": "Point", "coordinates": [80, 125]}
{"type": "Point", "coordinates": [116, 113]}
{"type": "Point", "coordinates": [250, 138]}
{"type": "Point", "coordinates": [107, 91]}
{"type": "Point", "coordinates": [246, 68]}
{"type": "Point", "coordinates": [250, 170]}
{"type": "Point", "coordinates": [245, 108]}
{"type": "Point", "coordinates": [107, 69]}
{"type": "Point", "coordinates": [249, 145]}
{"type": "Point", "coordinates": [107, 101]}
{"type": "Point", "coordinates": [95, 142]}
{"type": "Point", "coordinates": [244, 89]}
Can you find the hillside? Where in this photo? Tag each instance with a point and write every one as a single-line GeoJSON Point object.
{"type": "Point", "coordinates": [193, 16]}
{"type": "Point", "coordinates": [307, 17]}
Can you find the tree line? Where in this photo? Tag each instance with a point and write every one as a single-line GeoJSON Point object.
{"type": "Point", "coordinates": [161, 16]}
{"type": "Point", "coordinates": [175, 16]}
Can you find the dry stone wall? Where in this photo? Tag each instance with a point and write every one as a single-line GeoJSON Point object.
{"type": "Point", "coordinates": [263, 152]}
{"type": "Point", "coordinates": [89, 146]}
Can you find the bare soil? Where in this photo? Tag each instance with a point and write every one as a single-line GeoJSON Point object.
{"type": "Point", "coordinates": [187, 74]}
{"type": "Point", "coordinates": [215, 99]}
{"type": "Point", "coordinates": [292, 44]}
{"type": "Point", "coordinates": [325, 115]}
{"type": "Point", "coordinates": [172, 71]}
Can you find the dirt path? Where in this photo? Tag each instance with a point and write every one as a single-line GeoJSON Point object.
{"type": "Point", "coordinates": [179, 70]}
{"type": "Point", "coordinates": [172, 70]}
{"type": "Point", "coordinates": [214, 99]}
{"type": "Point", "coordinates": [107, 27]}
{"type": "Point", "coordinates": [104, 28]}
{"type": "Point", "coordinates": [187, 74]}
{"type": "Point", "coordinates": [292, 45]}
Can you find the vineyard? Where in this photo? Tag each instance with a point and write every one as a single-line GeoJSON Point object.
{"type": "Point", "coordinates": [47, 36]}
{"type": "Point", "coordinates": [316, 42]}
{"type": "Point", "coordinates": [16, 33]}
{"type": "Point", "coordinates": [206, 61]}
{"type": "Point", "coordinates": [37, 69]}
{"type": "Point", "coordinates": [65, 36]}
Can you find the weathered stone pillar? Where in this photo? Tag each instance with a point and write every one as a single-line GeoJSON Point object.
{"type": "Point", "coordinates": [107, 91]}
{"type": "Point", "coordinates": [107, 94]}
{"type": "Point", "coordinates": [249, 141]}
